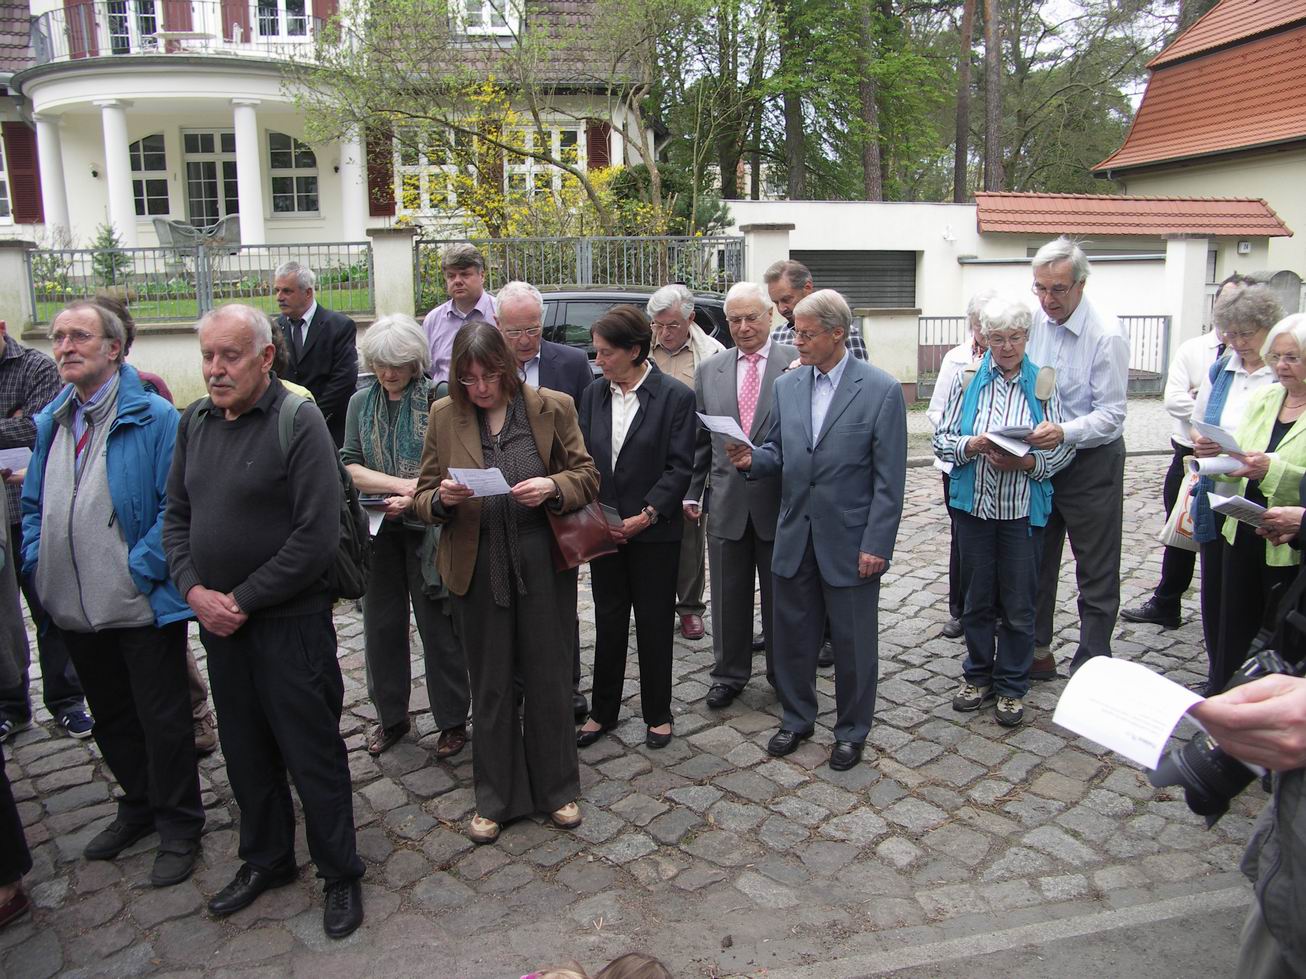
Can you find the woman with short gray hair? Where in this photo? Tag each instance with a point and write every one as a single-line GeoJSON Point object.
{"type": "Point", "coordinates": [385, 429]}
{"type": "Point", "coordinates": [999, 500]}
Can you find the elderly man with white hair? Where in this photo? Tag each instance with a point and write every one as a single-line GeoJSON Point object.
{"type": "Point", "coordinates": [740, 534]}
{"type": "Point", "coordinates": [999, 502]}
{"type": "Point", "coordinates": [680, 347]}
{"type": "Point", "coordinates": [1090, 354]}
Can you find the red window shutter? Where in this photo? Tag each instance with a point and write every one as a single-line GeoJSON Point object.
{"type": "Point", "coordinates": [79, 15]}
{"type": "Point", "coordinates": [24, 173]}
{"type": "Point", "coordinates": [380, 173]}
{"type": "Point", "coordinates": [177, 15]}
{"type": "Point", "coordinates": [324, 10]}
{"type": "Point", "coordinates": [597, 133]}
{"type": "Point", "coordinates": [235, 21]}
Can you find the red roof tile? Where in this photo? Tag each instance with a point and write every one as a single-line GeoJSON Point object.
{"type": "Point", "coordinates": [1230, 21]}
{"type": "Point", "coordinates": [1249, 95]}
{"type": "Point", "coordinates": [1098, 214]}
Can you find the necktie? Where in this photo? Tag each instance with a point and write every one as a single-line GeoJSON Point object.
{"type": "Point", "coordinates": [297, 337]}
{"type": "Point", "coordinates": [748, 392]}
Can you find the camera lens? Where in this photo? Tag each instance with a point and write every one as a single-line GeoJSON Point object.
{"type": "Point", "coordinates": [1208, 776]}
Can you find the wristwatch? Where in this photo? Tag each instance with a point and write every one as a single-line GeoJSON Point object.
{"type": "Point", "coordinates": [652, 515]}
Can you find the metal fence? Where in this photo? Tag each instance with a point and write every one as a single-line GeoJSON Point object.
{"type": "Point", "coordinates": [182, 284]}
{"type": "Point", "coordinates": [703, 264]}
{"type": "Point", "coordinates": [935, 336]}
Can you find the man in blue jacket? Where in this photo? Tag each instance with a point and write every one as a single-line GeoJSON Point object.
{"type": "Point", "coordinates": [93, 504]}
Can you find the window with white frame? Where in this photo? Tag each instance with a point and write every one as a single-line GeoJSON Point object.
{"type": "Point", "coordinates": [211, 190]}
{"type": "Point", "coordinates": [283, 18]}
{"type": "Point", "coordinates": [489, 16]}
{"type": "Point", "coordinates": [131, 25]}
{"type": "Point", "coordinates": [6, 212]}
{"type": "Point", "coordinates": [149, 175]}
{"type": "Point", "coordinates": [426, 169]}
{"type": "Point", "coordinates": [528, 175]}
{"type": "Point", "coordinates": [293, 167]}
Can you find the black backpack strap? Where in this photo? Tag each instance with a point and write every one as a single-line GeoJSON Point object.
{"type": "Point", "coordinates": [286, 420]}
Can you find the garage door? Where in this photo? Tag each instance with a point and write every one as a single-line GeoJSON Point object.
{"type": "Point", "coordinates": [875, 279]}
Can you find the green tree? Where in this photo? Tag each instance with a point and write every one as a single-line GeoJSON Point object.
{"type": "Point", "coordinates": [109, 263]}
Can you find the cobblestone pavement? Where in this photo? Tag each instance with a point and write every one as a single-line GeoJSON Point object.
{"type": "Point", "coordinates": [723, 861]}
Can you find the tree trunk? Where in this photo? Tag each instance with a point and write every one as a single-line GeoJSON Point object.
{"type": "Point", "coordinates": [872, 182]}
{"type": "Point", "coordinates": [795, 135]}
{"type": "Point", "coordinates": [993, 175]}
{"type": "Point", "coordinates": [961, 157]}
{"type": "Point", "coordinates": [730, 124]}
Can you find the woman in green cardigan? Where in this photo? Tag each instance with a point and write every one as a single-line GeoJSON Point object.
{"type": "Point", "coordinates": [1273, 436]}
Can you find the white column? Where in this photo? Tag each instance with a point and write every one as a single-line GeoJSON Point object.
{"type": "Point", "coordinates": [249, 172]}
{"type": "Point", "coordinates": [764, 245]}
{"type": "Point", "coordinates": [353, 190]}
{"type": "Point", "coordinates": [1185, 287]}
{"type": "Point", "coordinates": [54, 194]}
{"type": "Point", "coordinates": [118, 170]}
{"type": "Point", "coordinates": [392, 266]}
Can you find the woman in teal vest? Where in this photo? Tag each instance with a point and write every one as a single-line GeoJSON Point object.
{"type": "Point", "coordinates": [999, 502]}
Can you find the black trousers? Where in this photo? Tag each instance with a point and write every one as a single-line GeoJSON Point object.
{"type": "Point", "coordinates": [1246, 581]}
{"type": "Point", "coordinates": [642, 576]}
{"type": "Point", "coordinates": [1212, 555]}
{"type": "Point", "coordinates": [524, 759]}
{"type": "Point", "coordinates": [956, 587]}
{"type": "Point", "coordinates": [278, 691]}
{"type": "Point", "coordinates": [15, 859]}
{"type": "Point", "coordinates": [61, 690]}
{"type": "Point", "coordinates": [1176, 563]}
{"type": "Point", "coordinates": [138, 689]}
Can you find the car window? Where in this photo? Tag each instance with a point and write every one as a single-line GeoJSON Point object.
{"type": "Point", "coordinates": [573, 323]}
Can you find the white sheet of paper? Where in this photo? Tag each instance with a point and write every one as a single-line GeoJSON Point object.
{"type": "Point", "coordinates": [1012, 431]}
{"type": "Point", "coordinates": [1214, 465]}
{"type": "Point", "coordinates": [375, 517]}
{"type": "Point", "coordinates": [482, 482]}
{"type": "Point", "coordinates": [1222, 437]}
{"type": "Point", "coordinates": [1238, 507]}
{"type": "Point", "coordinates": [725, 425]}
{"type": "Point", "coordinates": [1013, 445]}
{"type": "Point", "coordinates": [15, 459]}
{"type": "Point", "coordinates": [1123, 706]}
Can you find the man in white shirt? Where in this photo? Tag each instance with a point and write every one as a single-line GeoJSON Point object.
{"type": "Point", "coordinates": [1091, 356]}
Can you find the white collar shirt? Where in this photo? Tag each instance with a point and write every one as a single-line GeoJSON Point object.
{"type": "Point", "coordinates": [625, 406]}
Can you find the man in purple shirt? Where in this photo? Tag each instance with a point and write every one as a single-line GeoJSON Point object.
{"type": "Point", "coordinates": [464, 280]}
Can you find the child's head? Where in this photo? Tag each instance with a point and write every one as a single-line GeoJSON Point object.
{"type": "Point", "coordinates": [634, 965]}
{"type": "Point", "coordinates": [569, 971]}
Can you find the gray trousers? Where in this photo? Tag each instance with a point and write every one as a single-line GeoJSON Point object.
{"type": "Point", "coordinates": [396, 583]}
{"type": "Point", "coordinates": [732, 564]}
{"type": "Point", "coordinates": [1259, 954]}
{"type": "Point", "coordinates": [1088, 505]}
{"type": "Point", "coordinates": [525, 758]}
{"type": "Point", "coordinates": [689, 574]}
{"type": "Point", "coordinates": [802, 605]}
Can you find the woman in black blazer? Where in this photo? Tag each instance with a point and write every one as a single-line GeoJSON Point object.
{"type": "Point", "coordinates": [639, 427]}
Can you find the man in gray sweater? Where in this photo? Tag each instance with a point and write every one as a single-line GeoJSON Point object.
{"type": "Point", "coordinates": [250, 534]}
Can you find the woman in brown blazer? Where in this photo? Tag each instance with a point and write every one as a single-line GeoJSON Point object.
{"type": "Point", "coordinates": [513, 611]}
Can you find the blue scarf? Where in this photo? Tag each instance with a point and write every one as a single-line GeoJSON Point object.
{"type": "Point", "coordinates": [961, 494]}
{"type": "Point", "coordinates": [1206, 527]}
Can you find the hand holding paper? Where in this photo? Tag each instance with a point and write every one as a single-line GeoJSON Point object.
{"type": "Point", "coordinates": [482, 482]}
{"type": "Point", "coordinates": [1240, 508]}
{"type": "Point", "coordinates": [725, 425]}
{"type": "Point", "coordinates": [1221, 437]}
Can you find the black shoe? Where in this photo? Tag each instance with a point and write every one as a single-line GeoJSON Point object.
{"type": "Point", "coordinates": [721, 696]}
{"type": "Point", "coordinates": [579, 706]}
{"type": "Point", "coordinates": [174, 862]}
{"type": "Point", "coordinates": [248, 884]}
{"type": "Point", "coordinates": [586, 738]}
{"type": "Point", "coordinates": [116, 837]}
{"type": "Point", "coordinates": [1155, 612]}
{"type": "Point", "coordinates": [952, 629]}
{"type": "Point", "coordinates": [759, 644]}
{"type": "Point", "coordinates": [655, 740]}
{"type": "Point", "coordinates": [845, 755]}
{"type": "Point", "coordinates": [826, 656]}
{"type": "Point", "coordinates": [1079, 661]}
{"type": "Point", "coordinates": [344, 907]}
{"type": "Point", "coordinates": [785, 742]}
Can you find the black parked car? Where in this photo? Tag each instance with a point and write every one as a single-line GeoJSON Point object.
{"type": "Point", "coordinates": [569, 314]}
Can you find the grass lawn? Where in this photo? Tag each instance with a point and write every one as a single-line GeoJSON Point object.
{"type": "Point", "coordinates": [343, 299]}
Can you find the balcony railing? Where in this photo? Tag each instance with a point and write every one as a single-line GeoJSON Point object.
{"type": "Point", "coordinates": [86, 29]}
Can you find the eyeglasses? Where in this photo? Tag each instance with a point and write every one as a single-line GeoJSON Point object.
{"type": "Point", "coordinates": [533, 331]}
{"type": "Point", "coordinates": [750, 319]}
{"type": "Point", "coordinates": [805, 337]}
{"type": "Point", "coordinates": [1232, 335]}
{"type": "Point", "coordinates": [471, 382]}
{"type": "Point", "coordinates": [1041, 290]}
{"type": "Point", "coordinates": [1012, 341]}
{"type": "Point", "coordinates": [78, 338]}
{"type": "Point", "coordinates": [1291, 360]}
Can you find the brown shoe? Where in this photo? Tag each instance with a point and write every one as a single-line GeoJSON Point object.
{"type": "Point", "coordinates": [691, 626]}
{"type": "Point", "coordinates": [568, 817]}
{"type": "Point", "coordinates": [451, 741]}
{"type": "Point", "coordinates": [206, 735]}
{"type": "Point", "coordinates": [482, 830]}
{"type": "Point", "coordinates": [17, 906]}
{"type": "Point", "coordinates": [384, 738]}
{"type": "Point", "coordinates": [1044, 666]}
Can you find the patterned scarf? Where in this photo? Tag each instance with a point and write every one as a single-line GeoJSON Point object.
{"type": "Point", "coordinates": [395, 449]}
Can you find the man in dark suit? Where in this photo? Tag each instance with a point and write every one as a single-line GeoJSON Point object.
{"type": "Point", "coordinates": [519, 310]}
{"type": "Point", "coordinates": [741, 530]}
{"type": "Point", "coordinates": [323, 345]}
{"type": "Point", "coordinates": [838, 442]}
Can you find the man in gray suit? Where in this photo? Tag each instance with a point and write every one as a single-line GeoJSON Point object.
{"type": "Point", "coordinates": [743, 514]}
{"type": "Point", "coordinates": [838, 441]}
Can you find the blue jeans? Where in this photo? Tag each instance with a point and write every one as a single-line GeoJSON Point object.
{"type": "Point", "coordinates": [999, 562]}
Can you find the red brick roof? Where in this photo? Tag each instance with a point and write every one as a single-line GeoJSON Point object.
{"type": "Point", "coordinates": [1098, 214]}
{"type": "Point", "coordinates": [1228, 22]}
{"type": "Point", "coordinates": [15, 52]}
{"type": "Point", "coordinates": [1252, 94]}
